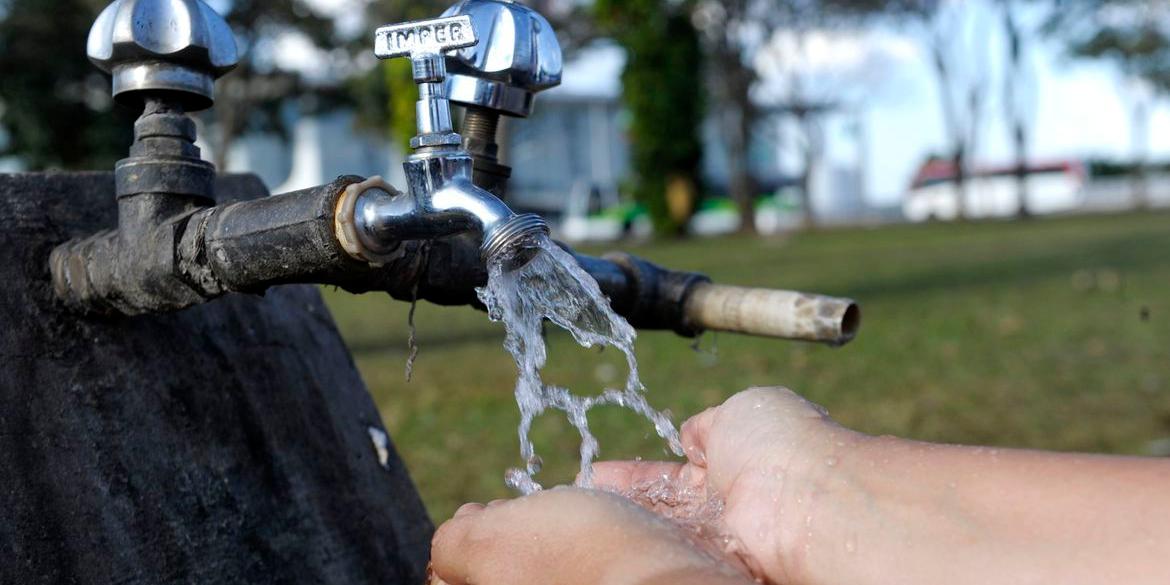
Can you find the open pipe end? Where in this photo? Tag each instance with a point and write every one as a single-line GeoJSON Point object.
{"type": "Point", "coordinates": [510, 242]}
{"type": "Point", "coordinates": [850, 324]}
{"type": "Point", "coordinates": [773, 313]}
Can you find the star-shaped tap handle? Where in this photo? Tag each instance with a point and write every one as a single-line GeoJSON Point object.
{"type": "Point", "coordinates": [424, 42]}
{"type": "Point", "coordinates": [175, 48]}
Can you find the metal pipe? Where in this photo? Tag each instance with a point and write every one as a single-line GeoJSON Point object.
{"type": "Point", "coordinates": [251, 245]}
{"type": "Point", "coordinates": [292, 238]}
{"type": "Point", "coordinates": [773, 313]}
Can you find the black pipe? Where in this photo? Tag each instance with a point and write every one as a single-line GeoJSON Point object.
{"type": "Point", "coordinates": [252, 245]}
{"type": "Point", "coordinates": [249, 246]}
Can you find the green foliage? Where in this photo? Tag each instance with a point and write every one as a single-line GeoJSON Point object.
{"type": "Point", "coordinates": [402, 95]}
{"type": "Point", "coordinates": [1138, 43]}
{"type": "Point", "coordinates": [663, 91]}
{"type": "Point", "coordinates": [55, 104]}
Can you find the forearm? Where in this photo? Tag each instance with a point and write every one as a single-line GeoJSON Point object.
{"type": "Point", "coordinates": [699, 577]}
{"type": "Point", "coordinates": [887, 509]}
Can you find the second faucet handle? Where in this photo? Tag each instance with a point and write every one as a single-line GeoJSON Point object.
{"type": "Point", "coordinates": [424, 42]}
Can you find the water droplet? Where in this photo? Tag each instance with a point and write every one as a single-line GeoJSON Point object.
{"type": "Point", "coordinates": [831, 461]}
{"type": "Point", "coordinates": [535, 464]}
{"type": "Point", "coordinates": [521, 482]}
{"type": "Point", "coordinates": [851, 544]}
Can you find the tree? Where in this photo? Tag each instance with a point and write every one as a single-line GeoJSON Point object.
{"type": "Point", "coordinates": [797, 86]}
{"type": "Point", "coordinates": [54, 104]}
{"type": "Point", "coordinates": [732, 31]}
{"type": "Point", "coordinates": [1019, 95]}
{"type": "Point", "coordinates": [1131, 34]}
{"type": "Point", "coordinates": [954, 33]}
{"type": "Point", "coordinates": [662, 85]}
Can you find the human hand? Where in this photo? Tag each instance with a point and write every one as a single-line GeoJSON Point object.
{"type": "Point", "coordinates": [757, 453]}
{"type": "Point", "coordinates": [569, 536]}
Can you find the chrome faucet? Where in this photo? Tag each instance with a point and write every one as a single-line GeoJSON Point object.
{"type": "Point", "coordinates": [442, 199]}
{"type": "Point", "coordinates": [517, 56]}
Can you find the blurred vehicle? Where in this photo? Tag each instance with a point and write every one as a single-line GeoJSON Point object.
{"type": "Point", "coordinates": [993, 192]}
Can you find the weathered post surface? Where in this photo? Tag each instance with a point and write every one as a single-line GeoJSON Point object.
{"type": "Point", "coordinates": [228, 443]}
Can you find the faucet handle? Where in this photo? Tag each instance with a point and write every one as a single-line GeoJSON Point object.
{"type": "Point", "coordinates": [517, 57]}
{"type": "Point", "coordinates": [421, 38]}
{"type": "Point", "coordinates": [175, 47]}
{"type": "Point", "coordinates": [425, 41]}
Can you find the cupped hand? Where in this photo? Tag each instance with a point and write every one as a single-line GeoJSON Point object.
{"type": "Point", "coordinates": [569, 536]}
{"type": "Point", "coordinates": [755, 453]}
{"type": "Point", "coordinates": [750, 458]}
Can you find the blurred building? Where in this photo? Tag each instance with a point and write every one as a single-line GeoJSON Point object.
{"type": "Point", "coordinates": [1053, 187]}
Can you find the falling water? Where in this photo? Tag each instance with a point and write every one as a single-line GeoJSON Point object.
{"type": "Point", "coordinates": [553, 286]}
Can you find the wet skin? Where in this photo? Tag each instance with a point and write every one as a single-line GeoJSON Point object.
{"type": "Point", "coordinates": [807, 501]}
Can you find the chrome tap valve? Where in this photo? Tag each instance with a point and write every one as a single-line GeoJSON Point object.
{"type": "Point", "coordinates": [442, 200]}
{"type": "Point", "coordinates": [517, 57]}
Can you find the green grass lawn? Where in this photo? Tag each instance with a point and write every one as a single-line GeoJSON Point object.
{"type": "Point", "coordinates": [1053, 334]}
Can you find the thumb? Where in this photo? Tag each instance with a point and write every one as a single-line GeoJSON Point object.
{"type": "Point", "coordinates": [695, 434]}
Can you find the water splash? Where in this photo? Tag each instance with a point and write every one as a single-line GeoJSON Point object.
{"type": "Point", "coordinates": [553, 286]}
{"type": "Point", "coordinates": [698, 514]}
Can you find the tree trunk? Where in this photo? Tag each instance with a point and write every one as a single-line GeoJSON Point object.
{"type": "Point", "coordinates": [1020, 138]}
{"type": "Point", "coordinates": [1140, 131]}
{"type": "Point", "coordinates": [959, 160]}
{"type": "Point", "coordinates": [731, 83]}
{"type": "Point", "coordinates": [1014, 106]}
{"type": "Point", "coordinates": [808, 219]}
{"type": "Point", "coordinates": [741, 184]}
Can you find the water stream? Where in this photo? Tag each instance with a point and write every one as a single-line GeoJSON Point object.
{"type": "Point", "coordinates": [553, 287]}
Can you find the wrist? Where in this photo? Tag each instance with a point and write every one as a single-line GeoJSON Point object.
{"type": "Point", "coordinates": [827, 469]}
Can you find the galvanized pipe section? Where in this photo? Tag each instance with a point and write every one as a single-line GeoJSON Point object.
{"type": "Point", "coordinates": [773, 313]}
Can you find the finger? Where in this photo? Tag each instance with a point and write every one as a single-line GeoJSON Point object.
{"type": "Point", "coordinates": [621, 476]}
{"type": "Point", "coordinates": [467, 509]}
{"type": "Point", "coordinates": [435, 579]}
{"type": "Point", "coordinates": [448, 548]}
{"type": "Point", "coordinates": [694, 436]}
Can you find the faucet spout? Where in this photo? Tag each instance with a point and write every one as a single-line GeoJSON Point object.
{"type": "Point", "coordinates": [384, 218]}
{"type": "Point", "coordinates": [461, 198]}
